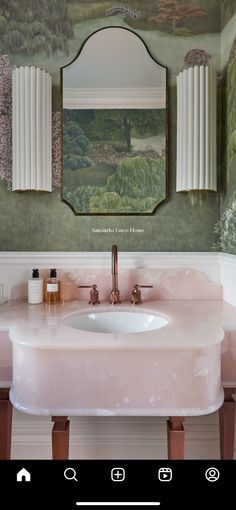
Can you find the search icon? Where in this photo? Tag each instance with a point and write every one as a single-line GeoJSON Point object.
{"type": "Point", "coordinates": [70, 474]}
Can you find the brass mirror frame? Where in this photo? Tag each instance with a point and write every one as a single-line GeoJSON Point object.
{"type": "Point", "coordinates": [76, 213]}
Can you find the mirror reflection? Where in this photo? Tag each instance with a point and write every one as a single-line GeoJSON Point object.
{"type": "Point", "coordinates": [114, 126]}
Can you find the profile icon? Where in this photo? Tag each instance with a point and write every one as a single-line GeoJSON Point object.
{"type": "Point", "coordinates": [212, 474]}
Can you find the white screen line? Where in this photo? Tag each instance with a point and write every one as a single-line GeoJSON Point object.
{"type": "Point", "coordinates": [117, 503]}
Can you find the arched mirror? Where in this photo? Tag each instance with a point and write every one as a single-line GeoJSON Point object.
{"type": "Point", "coordinates": [114, 100]}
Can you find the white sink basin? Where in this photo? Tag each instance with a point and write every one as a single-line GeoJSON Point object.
{"type": "Point", "coordinates": [116, 322]}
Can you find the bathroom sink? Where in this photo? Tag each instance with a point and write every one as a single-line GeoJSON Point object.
{"type": "Point", "coordinates": [116, 322]}
{"type": "Point", "coordinates": [158, 359]}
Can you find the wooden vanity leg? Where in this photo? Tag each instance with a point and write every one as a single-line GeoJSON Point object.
{"type": "Point", "coordinates": [175, 438]}
{"type": "Point", "coordinates": [5, 424]}
{"type": "Point", "coordinates": [60, 438]}
{"type": "Point", "coordinates": [227, 425]}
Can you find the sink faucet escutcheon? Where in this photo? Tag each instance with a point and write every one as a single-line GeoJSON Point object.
{"type": "Point", "coordinates": [115, 293]}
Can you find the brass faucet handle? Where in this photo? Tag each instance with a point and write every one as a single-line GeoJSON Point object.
{"type": "Point", "coordinates": [136, 293]}
{"type": "Point", "coordinates": [94, 294]}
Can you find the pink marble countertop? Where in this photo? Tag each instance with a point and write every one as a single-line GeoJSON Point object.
{"type": "Point", "coordinates": [178, 369]}
{"type": "Point", "coordinates": [174, 370]}
{"type": "Point", "coordinates": [191, 324]}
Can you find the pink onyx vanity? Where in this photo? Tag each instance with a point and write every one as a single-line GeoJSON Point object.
{"type": "Point", "coordinates": [181, 365]}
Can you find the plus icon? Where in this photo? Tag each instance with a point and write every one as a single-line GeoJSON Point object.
{"type": "Point", "coordinates": [117, 474]}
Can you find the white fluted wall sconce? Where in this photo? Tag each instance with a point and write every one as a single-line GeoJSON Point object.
{"type": "Point", "coordinates": [196, 129]}
{"type": "Point", "coordinates": [31, 129]}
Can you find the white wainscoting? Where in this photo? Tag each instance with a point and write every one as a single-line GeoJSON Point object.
{"type": "Point", "coordinates": [228, 277]}
{"type": "Point", "coordinates": [114, 438]}
{"type": "Point", "coordinates": [15, 267]}
{"type": "Point", "coordinates": [106, 438]}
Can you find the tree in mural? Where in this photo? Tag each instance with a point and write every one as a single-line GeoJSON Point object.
{"type": "Point", "coordinates": [228, 9]}
{"type": "Point", "coordinates": [231, 106]}
{"type": "Point", "coordinates": [136, 186]}
{"type": "Point", "coordinates": [138, 177]}
{"type": "Point", "coordinates": [74, 139]}
{"type": "Point", "coordinates": [31, 26]}
{"type": "Point", "coordinates": [225, 229]}
{"type": "Point", "coordinates": [110, 122]}
{"type": "Point", "coordinates": [176, 13]}
{"type": "Point", "coordinates": [80, 197]}
{"type": "Point", "coordinates": [123, 120]}
{"type": "Point", "coordinates": [76, 147]}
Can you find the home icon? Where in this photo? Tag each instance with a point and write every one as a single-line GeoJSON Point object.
{"type": "Point", "coordinates": [23, 476]}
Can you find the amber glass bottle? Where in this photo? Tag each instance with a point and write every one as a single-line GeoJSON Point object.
{"type": "Point", "coordinates": [53, 288]}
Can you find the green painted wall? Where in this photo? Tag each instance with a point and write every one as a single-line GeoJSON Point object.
{"type": "Point", "coordinates": [30, 221]}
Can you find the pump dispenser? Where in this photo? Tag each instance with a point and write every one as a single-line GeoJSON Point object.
{"type": "Point", "coordinates": [53, 288]}
{"type": "Point", "coordinates": [35, 288]}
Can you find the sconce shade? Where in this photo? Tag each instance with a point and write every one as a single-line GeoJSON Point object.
{"type": "Point", "coordinates": [31, 129]}
{"type": "Point", "coordinates": [196, 129]}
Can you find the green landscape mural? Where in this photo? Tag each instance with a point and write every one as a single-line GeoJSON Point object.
{"type": "Point", "coordinates": [177, 33]}
{"type": "Point", "coordinates": [174, 16]}
{"type": "Point", "coordinates": [34, 27]}
{"type": "Point", "coordinates": [225, 228]}
{"type": "Point", "coordinates": [114, 160]}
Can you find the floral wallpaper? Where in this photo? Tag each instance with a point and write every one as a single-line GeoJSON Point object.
{"type": "Point", "coordinates": [49, 34]}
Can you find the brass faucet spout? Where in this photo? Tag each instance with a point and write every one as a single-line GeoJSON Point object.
{"type": "Point", "coordinates": [115, 293]}
{"type": "Point", "coordinates": [114, 267]}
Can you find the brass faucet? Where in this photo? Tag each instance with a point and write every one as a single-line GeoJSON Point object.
{"type": "Point", "coordinates": [115, 293]}
{"type": "Point", "coordinates": [136, 293]}
{"type": "Point", "coordinates": [94, 294]}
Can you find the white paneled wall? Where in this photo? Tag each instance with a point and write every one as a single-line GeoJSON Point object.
{"type": "Point", "coordinates": [114, 438]}
{"type": "Point", "coordinates": [228, 277]}
{"type": "Point", "coordinates": [16, 267]}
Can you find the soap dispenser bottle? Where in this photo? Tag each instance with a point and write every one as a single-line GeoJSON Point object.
{"type": "Point", "coordinates": [53, 288]}
{"type": "Point", "coordinates": [35, 288]}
